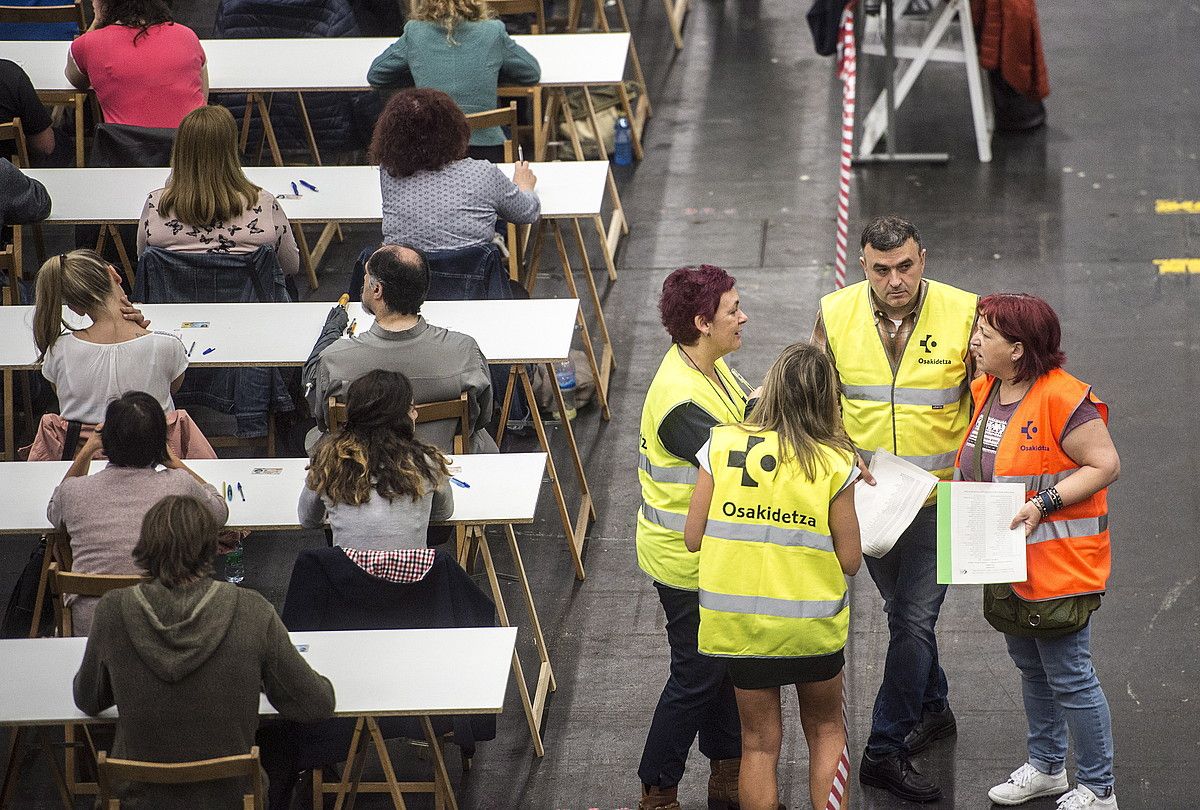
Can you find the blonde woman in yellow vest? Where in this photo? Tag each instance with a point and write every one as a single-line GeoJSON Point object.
{"type": "Point", "coordinates": [899, 343]}
{"type": "Point", "coordinates": [693, 390]}
{"type": "Point", "coordinates": [773, 519]}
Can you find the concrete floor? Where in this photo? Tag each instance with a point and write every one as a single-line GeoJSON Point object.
{"type": "Point", "coordinates": [740, 171]}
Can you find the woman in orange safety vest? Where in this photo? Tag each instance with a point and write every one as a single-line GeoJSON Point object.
{"type": "Point", "coordinates": [1034, 423]}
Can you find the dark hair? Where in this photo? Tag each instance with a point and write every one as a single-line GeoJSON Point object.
{"type": "Point", "coordinates": [135, 431]}
{"type": "Point", "coordinates": [139, 14]}
{"type": "Point", "coordinates": [888, 233]}
{"type": "Point", "coordinates": [178, 541]}
{"type": "Point", "coordinates": [419, 129]}
{"type": "Point", "coordinates": [405, 282]}
{"type": "Point", "coordinates": [1030, 321]}
{"type": "Point", "coordinates": [377, 448]}
{"type": "Point", "coordinates": [688, 292]}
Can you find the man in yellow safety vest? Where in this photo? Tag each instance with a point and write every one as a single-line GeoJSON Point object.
{"type": "Point", "coordinates": [900, 345]}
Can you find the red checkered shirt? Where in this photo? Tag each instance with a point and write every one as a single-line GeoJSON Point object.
{"type": "Point", "coordinates": [403, 565]}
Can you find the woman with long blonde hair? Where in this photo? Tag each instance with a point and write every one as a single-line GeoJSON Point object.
{"type": "Point", "coordinates": [92, 365]}
{"type": "Point", "coordinates": [773, 518]}
{"type": "Point", "coordinates": [456, 47]}
{"type": "Point", "coordinates": [378, 483]}
{"type": "Point", "coordinates": [208, 204]}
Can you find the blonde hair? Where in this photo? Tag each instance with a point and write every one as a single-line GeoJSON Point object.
{"type": "Point", "coordinates": [799, 401]}
{"type": "Point", "coordinates": [448, 13]}
{"type": "Point", "coordinates": [207, 184]}
{"type": "Point", "coordinates": [78, 279]}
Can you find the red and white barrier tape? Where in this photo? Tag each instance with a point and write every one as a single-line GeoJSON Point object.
{"type": "Point", "coordinates": [837, 793]}
{"type": "Point", "coordinates": [847, 68]}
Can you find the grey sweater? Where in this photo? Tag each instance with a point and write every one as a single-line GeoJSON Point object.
{"type": "Point", "coordinates": [184, 668]}
{"type": "Point", "coordinates": [22, 199]}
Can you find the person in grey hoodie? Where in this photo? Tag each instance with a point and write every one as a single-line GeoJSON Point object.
{"type": "Point", "coordinates": [184, 658]}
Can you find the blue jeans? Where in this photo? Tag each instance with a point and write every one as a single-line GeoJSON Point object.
{"type": "Point", "coordinates": [698, 699]}
{"type": "Point", "coordinates": [913, 681]}
{"type": "Point", "coordinates": [1062, 692]}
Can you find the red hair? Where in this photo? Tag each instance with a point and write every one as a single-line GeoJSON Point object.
{"type": "Point", "coordinates": [688, 292]}
{"type": "Point", "coordinates": [419, 128]}
{"type": "Point", "coordinates": [1030, 321]}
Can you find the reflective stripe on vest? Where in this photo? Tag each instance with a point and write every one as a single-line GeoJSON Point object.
{"type": "Point", "coordinates": [940, 461]}
{"type": "Point", "coordinates": [667, 475]}
{"type": "Point", "coordinates": [1035, 483]}
{"type": "Point", "coordinates": [767, 606]}
{"type": "Point", "coordinates": [904, 396]}
{"type": "Point", "coordinates": [766, 533]}
{"type": "Point", "coordinates": [659, 517]}
{"type": "Point", "coordinates": [1061, 529]}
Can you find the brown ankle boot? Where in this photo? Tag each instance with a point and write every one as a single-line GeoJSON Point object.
{"type": "Point", "coordinates": [659, 798]}
{"type": "Point", "coordinates": [723, 782]}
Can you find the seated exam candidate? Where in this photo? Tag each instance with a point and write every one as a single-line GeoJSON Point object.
{"type": "Point", "coordinates": [441, 364]}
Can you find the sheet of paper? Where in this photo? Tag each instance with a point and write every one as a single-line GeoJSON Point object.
{"type": "Point", "coordinates": [886, 509]}
{"type": "Point", "coordinates": [975, 545]}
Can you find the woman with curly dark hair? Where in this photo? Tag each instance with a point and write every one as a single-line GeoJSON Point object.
{"type": "Point", "coordinates": [147, 70]}
{"type": "Point", "coordinates": [435, 198]}
{"type": "Point", "coordinates": [379, 484]}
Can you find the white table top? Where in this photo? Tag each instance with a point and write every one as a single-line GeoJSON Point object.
{"type": "Point", "coordinates": [347, 193]}
{"type": "Point", "coordinates": [534, 330]}
{"type": "Point", "coordinates": [339, 63]}
{"type": "Point", "coordinates": [503, 488]}
{"type": "Point", "coordinates": [410, 672]}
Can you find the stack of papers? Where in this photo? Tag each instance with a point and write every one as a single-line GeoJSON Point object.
{"type": "Point", "coordinates": [888, 508]}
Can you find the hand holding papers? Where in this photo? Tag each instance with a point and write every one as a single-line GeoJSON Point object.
{"type": "Point", "coordinates": [886, 509]}
{"type": "Point", "coordinates": [975, 543]}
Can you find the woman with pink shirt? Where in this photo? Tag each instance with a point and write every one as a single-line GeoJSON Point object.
{"type": "Point", "coordinates": [147, 71]}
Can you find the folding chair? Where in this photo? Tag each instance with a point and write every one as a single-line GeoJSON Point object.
{"type": "Point", "coordinates": [177, 773]}
{"type": "Point", "coordinates": [13, 131]}
{"type": "Point", "coordinates": [508, 8]}
{"type": "Point", "coordinates": [63, 583]}
{"type": "Point", "coordinates": [505, 117]}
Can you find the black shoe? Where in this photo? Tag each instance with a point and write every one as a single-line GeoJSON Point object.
{"type": "Point", "coordinates": [934, 726]}
{"type": "Point", "coordinates": [896, 775]}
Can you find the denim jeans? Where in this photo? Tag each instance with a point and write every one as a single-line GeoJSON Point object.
{"type": "Point", "coordinates": [698, 699]}
{"type": "Point", "coordinates": [913, 681]}
{"type": "Point", "coordinates": [1062, 692]}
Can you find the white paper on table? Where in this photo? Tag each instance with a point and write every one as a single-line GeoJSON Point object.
{"type": "Point", "coordinates": [975, 544]}
{"type": "Point", "coordinates": [888, 508]}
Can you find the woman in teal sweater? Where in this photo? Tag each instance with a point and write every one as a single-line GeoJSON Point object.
{"type": "Point", "coordinates": [453, 46]}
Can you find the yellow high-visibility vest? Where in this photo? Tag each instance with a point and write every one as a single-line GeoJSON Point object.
{"type": "Point", "coordinates": [668, 481]}
{"type": "Point", "coordinates": [921, 413]}
{"type": "Point", "coordinates": [770, 582]}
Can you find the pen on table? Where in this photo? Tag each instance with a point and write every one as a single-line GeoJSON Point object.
{"type": "Point", "coordinates": [353, 325]}
{"type": "Point", "coordinates": [189, 351]}
{"type": "Point", "coordinates": [295, 190]}
{"type": "Point", "coordinates": [209, 350]}
{"type": "Point", "coordinates": [308, 185]}
{"type": "Point", "coordinates": [222, 488]}
{"type": "Point", "coordinates": [229, 492]}
{"type": "Point", "coordinates": [241, 491]}
{"type": "Point", "coordinates": [459, 483]}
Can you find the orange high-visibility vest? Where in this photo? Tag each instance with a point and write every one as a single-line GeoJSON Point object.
{"type": "Point", "coordinates": [1068, 553]}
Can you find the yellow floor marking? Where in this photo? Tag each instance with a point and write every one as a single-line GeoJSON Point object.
{"type": "Point", "coordinates": [1177, 266]}
{"type": "Point", "coordinates": [1177, 206]}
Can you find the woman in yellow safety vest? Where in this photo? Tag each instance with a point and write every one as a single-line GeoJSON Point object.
{"type": "Point", "coordinates": [692, 390]}
{"type": "Point", "coordinates": [773, 509]}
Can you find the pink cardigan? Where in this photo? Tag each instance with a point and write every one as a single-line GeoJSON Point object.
{"type": "Point", "coordinates": [183, 436]}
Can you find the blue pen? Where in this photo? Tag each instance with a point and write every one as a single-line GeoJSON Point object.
{"type": "Point", "coordinates": [241, 491]}
{"type": "Point", "coordinates": [209, 350]}
{"type": "Point", "coordinates": [295, 190]}
{"type": "Point", "coordinates": [228, 492]}
{"type": "Point", "coordinates": [462, 484]}
{"type": "Point", "coordinates": [308, 185]}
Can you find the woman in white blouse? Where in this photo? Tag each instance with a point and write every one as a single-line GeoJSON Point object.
{"type": "Point", "coordinates": [92, 366]}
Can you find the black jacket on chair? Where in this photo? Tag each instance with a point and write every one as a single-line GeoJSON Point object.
{"type": "Point", "coordinates": [176, 277]}
{"type": "Point", "coordinates": [121, 146]}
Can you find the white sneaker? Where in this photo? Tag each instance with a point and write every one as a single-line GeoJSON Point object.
{"type": "Point", "coordinates": [1081, 798]}
{"type": "Point", "coordinates": [1027, 783]}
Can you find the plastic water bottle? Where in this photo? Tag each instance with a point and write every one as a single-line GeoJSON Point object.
{"type": "Point", "coordinates": [235, 565]}
{"type": "Point", "coordinates": [622, 142]}
{"type": "Point", "coordinates": [564, 372]}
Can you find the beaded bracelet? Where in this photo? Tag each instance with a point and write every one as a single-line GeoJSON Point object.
{"type": "Point", "coordinates": [1040, 503]}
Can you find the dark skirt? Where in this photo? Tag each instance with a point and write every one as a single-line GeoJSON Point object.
{"type": "Point", "coordinates": [767, 673]}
